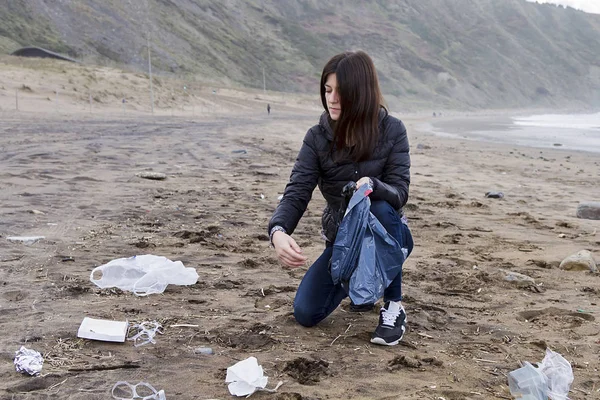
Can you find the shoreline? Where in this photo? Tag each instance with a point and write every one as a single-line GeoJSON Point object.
{"type": "Point", "coordinates": [502, 130]}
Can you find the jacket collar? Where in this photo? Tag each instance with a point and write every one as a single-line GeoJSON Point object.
{"type": "Point", "coordinates": [326, 126]}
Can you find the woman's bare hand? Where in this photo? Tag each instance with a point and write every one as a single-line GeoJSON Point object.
{"type": "Point", "coordinates": [288, 251]}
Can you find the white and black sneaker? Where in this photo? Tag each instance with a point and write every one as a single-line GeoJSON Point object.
{"type": "Point", "coordinates": [392, 324]}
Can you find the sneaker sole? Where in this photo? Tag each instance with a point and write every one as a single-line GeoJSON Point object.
{"type": "Point", "coordinates": [382, 342]}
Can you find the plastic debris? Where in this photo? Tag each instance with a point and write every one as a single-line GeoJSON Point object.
{"type": "Point", "coordinates": [157, 176]}
{"type": "Point", "coordinates": [280, 197]}
{"type": "Point", "coordinates": [126, 391]}
{"type": "Point", "coordinates": [494, 195]}
{"type": "Point", "coordinates": [145, 333]}
{"type": "Point", "coordinates": [528, 382]}
{"type": "Point", "coordinates": [143, 275]}
{"type": "Point", "coordinates": [559, 373]}
{"type": "Point", "coordinates": [204, 350]}
{"type": "Point", "coordinates": [104, 330]}
{"type": "Point", "coordinates": [25, 239]}
{"type": "Point", "coordinates": [28, 361]}
{"type": "Point", "coordinates": [245, 377]}
{"type": "Point", "coordinates": [552, 379]}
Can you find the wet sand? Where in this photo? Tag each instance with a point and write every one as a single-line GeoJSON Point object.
{"type": "Point", "coordinates": [468, 327]}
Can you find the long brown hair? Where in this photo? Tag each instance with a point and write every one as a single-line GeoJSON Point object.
{"type": "Point", "coordinates": [356, 131]}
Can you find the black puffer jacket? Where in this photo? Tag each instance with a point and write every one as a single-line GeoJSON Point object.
{"type": "Point", "coordinates": [389, 168]}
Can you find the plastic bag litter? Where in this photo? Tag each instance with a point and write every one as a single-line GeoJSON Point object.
{"type": "Point", "coordinates": [145, 333]}
{"type": "Point", "coordinates": [126, 391]}
{"type": "Point", "coordinates": [143, 275]}
{"type": "Point", "coordinates": [366, 258]}
{"type": "Point", "coordinates": [559, 373]}
{"type": "Point", "coordinates": [552, 379]}
{"type": "Point", "coordinates": [28, 361]}
{"type": "Point", "coordinates": [528, 383]}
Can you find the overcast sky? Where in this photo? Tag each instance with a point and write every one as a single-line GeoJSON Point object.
{"type": "Point", "coordinates": [591, 6]}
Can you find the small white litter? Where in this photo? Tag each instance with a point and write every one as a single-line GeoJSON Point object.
{"type": "Point", "coordinates": [28, 361]}
{"type": "Point", "coordinates": [104, 330]}
{"type": "Point", "coordinates": [144, 333]}
{"type": "Point", "coordinates": [143, 275]}
{"type": "Point", "coordinates": [25, 239]}
{"type": "Point", "coordinates": [245, 377]}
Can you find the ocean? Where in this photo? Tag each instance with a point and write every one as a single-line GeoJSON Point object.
{"type": "Point", "coordinates": [579, 132]}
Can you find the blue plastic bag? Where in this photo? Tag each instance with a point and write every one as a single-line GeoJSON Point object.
{"type": "Point", "coordinates": [366, 258]}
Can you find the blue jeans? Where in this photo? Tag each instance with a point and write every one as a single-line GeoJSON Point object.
{"type": "Point", "coordinates": [317, 296]}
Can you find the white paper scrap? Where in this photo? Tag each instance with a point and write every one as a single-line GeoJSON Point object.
{"type": "Point", "coordinates": [101, 329]}
{"type": "Point", "coordinates": [245, 377]}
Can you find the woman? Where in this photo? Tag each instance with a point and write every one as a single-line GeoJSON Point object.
{"type": "Point", "coordinates": [356, 140]}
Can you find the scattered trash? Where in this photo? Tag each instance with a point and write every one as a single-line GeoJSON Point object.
{"type": "Point", "coordinates": [143, 275]}
{"type": "Point", "coordinates": [67, 259]}
{"type": "Point", "coordinates": [559, 373]}
{"type": "Point", "coordinates": [25, 239]}
{"type": "Point", "coordinates": [280, 197]}
{"type": "Point", "coordinates": [145, 333]}
{"type": "Point", "coordinates": [104, 330]}
{"type": "Point", "coordinates": [494, 195]}
{"type": "Point", "coordinates": [28, 361]}
{"type": "Point", "coordinates": [517, 278]}
{"type": "Point", "coordinates": [126, 391]}
{"type": "Point", "coordinates": [157, 176]}
{"type": "Point", "coordinates": [552, 379]}
{"type": "Point", "coordinates": [204, 350]}
{"type": "Point", "coordinates": [242, 151]}
{"type": "Point", "coordinates": [528, 382]}
{"type": "Point", "coordinates": [37, 212]}
{"type": "Point", "coordinates": [245, 377]}
{"type": "Point", "coordinates": [262, 196]}
{"type": "Point", "coordinates": [184, 326]}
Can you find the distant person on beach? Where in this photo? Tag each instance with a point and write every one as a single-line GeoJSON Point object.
{"type": "Point", "coordinates": [355, 140]}
{"type": "Point", "coordinates": [268, 109]}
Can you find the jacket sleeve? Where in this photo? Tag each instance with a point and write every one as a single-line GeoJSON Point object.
{"type": "Point", "coordinates": [395, 180]}
{"type": "Point", "coordinates": [298, 191]}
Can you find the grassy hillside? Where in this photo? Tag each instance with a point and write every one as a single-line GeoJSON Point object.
{"type": "Point", "coordinates": [452, 53]}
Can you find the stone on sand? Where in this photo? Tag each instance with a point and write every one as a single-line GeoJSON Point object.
{"type": "Point", "coordinates": [588, 210]}
{"type": "Point", "coordinates": [580, 261]}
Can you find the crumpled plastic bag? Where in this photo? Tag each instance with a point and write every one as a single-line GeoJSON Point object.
{"type": "Point", "coordinates": [143, 275]}
{"type": "Point", "coordinates": [551, 379]}
{"type": "Point", "coordinates": [28, 361]}
{"type": "Point", "coordinates": [245, 377]}
{"type": "Point", "coordinates": [559, 373]}
{"type": "Point", "coordinates": [365, 258]}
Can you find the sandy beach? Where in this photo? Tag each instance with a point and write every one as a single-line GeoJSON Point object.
{"type": "Point", "coordinates": [72, 178]}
